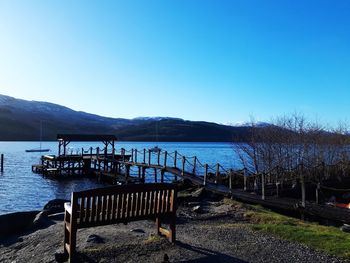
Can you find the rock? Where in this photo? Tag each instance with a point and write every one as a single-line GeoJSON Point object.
{"type": "Point", "coordinates": [197, 209]}
{"type": "Point", "coordinates": [345, 228]}
{"type": "Point", "coordinates": [95, 239]}
{"type": "Point", "coordinates": [137, 230]}
{"type": "Point", "coordinates": [55, 206]}
{"type": "Point", "coordinates": [16, 222]}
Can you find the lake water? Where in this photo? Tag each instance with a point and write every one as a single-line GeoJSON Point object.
{"type": "Point", "coordinates": [22, 190]}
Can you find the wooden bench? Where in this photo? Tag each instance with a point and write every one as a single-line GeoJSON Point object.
{"type": "Point", "coordinates": [119, 204]}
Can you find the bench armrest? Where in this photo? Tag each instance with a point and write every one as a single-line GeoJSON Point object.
{"type": "Point", "coordinates": [68, 207]}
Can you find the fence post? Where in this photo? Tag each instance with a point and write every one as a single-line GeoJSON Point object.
{"type": "Point", "coordinates": [205, 174]}
{"type": "Point", "coordinates": [135, 155]}
{"type": "Point", "coordinates": [149, 157]}
{"type": "Point", "coordinates": [175, 158]}
{"type": "Point", "coordinates": [217, 173]}
{"type": "Point", "coordinates": [302, 181]}
{"type": "Point", "coordinates": [165, 158]}
{"type": "Point", "coordinates": [132, 155]}
{"type": "Point", "coordinates": [245, 179]}
{"type": "Point", "coordinates": [230, 179]}
{"type": "Point", "coordinates": [144, 155]}
{"type": "Point", "coordinates": [317, 193]}
{"type": "Point", "coordinates": [263, 186]}
{"type": "Point", "coordinates": [183, 165]}
{"type": "Point", "coordinates": [158, 157]}
{"type": "Point", "coordinates": [194, 165]}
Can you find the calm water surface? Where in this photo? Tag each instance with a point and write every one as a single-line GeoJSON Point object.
{"type": "Point", "coordinates": [22, 190]}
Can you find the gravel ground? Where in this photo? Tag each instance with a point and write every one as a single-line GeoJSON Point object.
{"type": "Point", "coordinates": [214, 235]}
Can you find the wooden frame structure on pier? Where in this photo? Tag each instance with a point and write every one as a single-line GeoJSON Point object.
{"type": "Point", "coordinates": [65, 139]}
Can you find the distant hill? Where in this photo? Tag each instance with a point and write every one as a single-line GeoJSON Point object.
{"type": "Point", "coordinates": [20, 120]}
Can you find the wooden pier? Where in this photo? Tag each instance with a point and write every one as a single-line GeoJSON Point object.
{"type": "Point", "coordinates": [125, 167]}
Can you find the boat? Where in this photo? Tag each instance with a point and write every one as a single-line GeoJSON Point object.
{"type": "Point", "coordinates": [39, 149]}
{"type": "Point", "coordinates": [156, 149]}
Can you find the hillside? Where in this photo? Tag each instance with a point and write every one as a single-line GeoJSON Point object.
{"type": "Point", "coordinates": [20, 120]}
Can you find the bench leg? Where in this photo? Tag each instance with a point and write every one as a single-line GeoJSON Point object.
{"type": "Point", "coordinates": [158, 226]}
{"type": "Point", "coordinates": [70, 236]}
{"type": "Point", "coordinates": [172, 234]}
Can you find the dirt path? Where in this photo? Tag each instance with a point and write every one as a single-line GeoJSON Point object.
{"type": "Point", "coordinates": [215, 235]}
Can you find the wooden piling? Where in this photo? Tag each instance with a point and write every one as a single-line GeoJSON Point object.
{"type": "Point", "coordinates": [2, 163]}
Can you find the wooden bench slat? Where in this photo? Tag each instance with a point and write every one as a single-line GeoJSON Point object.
{"type": "Point", "coordinates": [119, 204]}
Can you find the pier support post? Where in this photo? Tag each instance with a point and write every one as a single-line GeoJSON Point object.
{"type": "Point", "coordinates": [143, 174]}
{"type": "Point", "coordinates": [149, 157]}
{"type": "Point", "coordinates": [155, 175]}
{"type": "Point", "coordinates": [139, 172]}
{"type": "Point", "coordinates": [2, 163]}
{"type": "Point", "coordinates": [127, 173]}
{"type": "Point", "coordinates": [162, 175]}
{"type": "Point", "coordinates": [205, 174]}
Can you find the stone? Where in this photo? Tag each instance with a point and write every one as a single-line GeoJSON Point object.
{"type": "Point", "coordinates": [137, 230]}
{"type": "Point", "coordinates": [95, 239]}
{"type": "Point", "coordinates": [55, 206]}
{"type": "Point", "coordinates": [197, 209]}
{"type": "Point", "coordinates": [16, 222]}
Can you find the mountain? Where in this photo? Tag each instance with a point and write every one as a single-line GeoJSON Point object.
{"type": "Point", "coordinates": [20, 120]}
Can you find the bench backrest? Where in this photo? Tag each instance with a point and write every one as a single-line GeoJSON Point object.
{"type": "Point", "coordinates": [120, 204]}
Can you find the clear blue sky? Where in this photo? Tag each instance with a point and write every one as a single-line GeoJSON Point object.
{"type": "Point", "coordinates": [220, 61]}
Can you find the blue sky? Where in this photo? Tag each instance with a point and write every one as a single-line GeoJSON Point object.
{"type": "Point", "coordinates": [221, 61]}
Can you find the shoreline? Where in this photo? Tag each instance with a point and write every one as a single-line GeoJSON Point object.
{"type": "Point", "coordinates": [209, 228]}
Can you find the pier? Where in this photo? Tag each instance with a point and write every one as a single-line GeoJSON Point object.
{"type": "Point", "coordinates": [131, 166]}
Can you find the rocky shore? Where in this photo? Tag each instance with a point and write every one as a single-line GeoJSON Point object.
{"type": "Point", "coordinates": [209, 229]}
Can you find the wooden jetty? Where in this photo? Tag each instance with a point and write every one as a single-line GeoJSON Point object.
{"type": "Point", "coordinates": [117, 166]}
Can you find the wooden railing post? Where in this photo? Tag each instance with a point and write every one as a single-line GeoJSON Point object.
{"type": "Point", "coordinates": [183, 165]}
{"type": "Point", "coordinates": [82, 151]}
{"type": "Point", "coordinates": [165, 158]}
{"type": "Point", "coordinates": [132, 155]}
{"type": "Point", "coordinates": [2, 163]}
{"type": "Point", "coordinates": [155, 175]}
{"type": "Point", "coordinates": [123, 154]}
{"type": "Point", "coordinates": [135, 155]}
{"type": "Point", "coordinates": [98, 152]}
{"type": "Point", "coordinates": [277, 189]}
{"type": "Point", "coordinates": [302, 181]}
{"type": "Point", "coordinates": [245, 179]}
{"type": "Point", "coordinates": [194, 165]}
{"type": "Point", "coordinates": [317, 193]}
{"type": "Point", "coordinates": [263, 186]}
{"type": "Point", "coordinates": [230, 179]}
{"type": "Point", "coordinates": [217, 173]}
{"type": "Point", "coordinates": [149, 157]}
{"type": "Point", "coordinates": [158, 157]}
{"type": "Point", "coordinates": [144, 155]}
{"type": "Point", "coordinates": [205, 174]}
{"type": "Point", "coordinates": [90, 152]}
{"type": "Point", "coordinates": [175, 158]}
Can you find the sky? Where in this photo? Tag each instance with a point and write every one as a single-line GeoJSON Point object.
{"type": "Point", "coordinates": [219, 61]}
